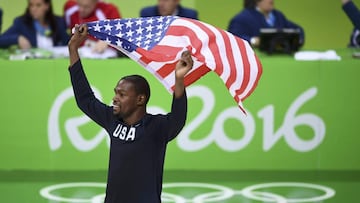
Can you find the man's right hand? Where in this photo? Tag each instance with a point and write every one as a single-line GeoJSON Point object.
{"type": "Point", "coordinates": [78, 37]}
{"type": "Point", "coordinates": [76, 40]}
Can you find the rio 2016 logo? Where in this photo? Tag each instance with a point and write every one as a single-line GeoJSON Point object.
{"type": "Point", "coordinates": [217, 134]}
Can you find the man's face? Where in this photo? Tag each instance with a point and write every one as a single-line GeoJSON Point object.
{"type": "Point", "coordinates": [167, 7]}
{"type": "Point", "coordinates": [86, 7]}
{"type": "Point", "coordinates": [125, 101]}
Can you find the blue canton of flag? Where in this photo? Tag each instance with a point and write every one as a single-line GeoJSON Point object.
{"type": "Point", "coordinates": [132, 32]}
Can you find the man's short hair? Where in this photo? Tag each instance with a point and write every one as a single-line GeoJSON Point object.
{"type": "Point", "coordinates": [141, 85]}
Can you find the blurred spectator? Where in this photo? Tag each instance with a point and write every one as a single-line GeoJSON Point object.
{"type": "Point", "coordinates": [169, 7]}
{"type": "Point", "coordinates": [1, 14]}
{"type": "Point", "coordinates": [82, 11]}
{"type": "Point", "coordinates": [354, 15]}
{"type": "Point", "coordinates": [259, 14]}
{"type": "Point", "coordinates": [38, 27]}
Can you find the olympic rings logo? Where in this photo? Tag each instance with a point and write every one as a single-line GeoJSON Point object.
{"type": "Point", "coordinates": [218, 193]}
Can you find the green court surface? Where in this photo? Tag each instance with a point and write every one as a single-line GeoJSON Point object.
{"type": "Point", "coordinates": [188, 186]}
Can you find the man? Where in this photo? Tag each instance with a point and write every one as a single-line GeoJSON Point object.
{"type": "Point", "coordinates": [354, 15]}
{"type": "Point", "coordinates": [82, 11]}
{"type": "Point", "coordinates": [168, 8]}
{"type": "Point", "coordinates": [138, 139]}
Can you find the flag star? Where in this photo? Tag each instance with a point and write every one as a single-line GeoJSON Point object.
{"type": "Point", "coordinates": [160, 19]}
{"type": "Point", "coordinates": [129, 23]}
{"type": "Point", "coordinates": [150, 21]}
{"type": "Point", "coordinates": [107, 40]}
{"type": "Point", "coordinates": [139, 30]}
{"type": "Point", "coordinates": [138, 21]}
{"type": "Point", "coordinates": [130, 39]}
{"type": "Point", "coordinates": [149, 35]}
{"type": "Point", "coordinates": [147, 42]}
{"type": "Point", "coordinates": [160, 26]}
{"type": "Point", "coordinates": [157, 39]}
{"type": "Point", "coordinates": [146, 47]}
{"type": "Point", "coordinates": [139, 38]}
{"type": "Point", "coordinates": [108, 27]}
{"type": "Point", "coordinates": [126, 47]}
{"type": "Point", "coordinates": [149, 28]}
{"type": "Point", "coordinates": [158, 34]}
{"type": "Point", "coordinates": [119, 43]}
{"type": "Point", "coordinates": [129, 33]}
{"type": "Point", "coordinates": [97, 27]}
{"type": "Point", "coordinates": [119, 26]}
{"type": "Point", "coordinates": [138, 44]}
{"type": "Point", "coordinates": [120, 34]}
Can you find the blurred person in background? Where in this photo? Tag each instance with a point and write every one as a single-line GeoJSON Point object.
{"type": "Point", "coordinates": [354, 15]}
{"type": "Point", "coordinates": [258, 14]}
{"type": "Point", "coordinates": [82, 11]}
{"type": "Point", "coordinates": [169, 8]}
{"type": "Point", "coordinates": [1, 14]}
{"type": "Point", "coordinates": [38, 27]}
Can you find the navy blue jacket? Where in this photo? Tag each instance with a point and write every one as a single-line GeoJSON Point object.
{"type": "Point", "coordinates": [183, 12]}
{"type": "Point", "coordinates": [19, 27]}
{"type": "Point", "coordinates": [248, 22]}
{"type": "Point", "coordinates": [354, 14]}
{"type": "Point", "coordinates": [137, 152]}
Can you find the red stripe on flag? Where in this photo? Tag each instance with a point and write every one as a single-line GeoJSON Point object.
{"type": "Point", "coordinates": [246, 66]}
{"type": "Point", "coordinates": [157, 54]}
{"type": "Point", "coordinates": [194, 39]}
{"type": "Point", "coordinates": [212, 46]}
{"type": "Point", "coordinates": [231, 60]}
{"type": "Point", "coordinates": [166, 69]}
{"type": "Point", "coordinates": [170, 51]}
{"type": "Point", "coordinates": [259, 73]}
{"type": "Point", "coordinates": [194, 75]}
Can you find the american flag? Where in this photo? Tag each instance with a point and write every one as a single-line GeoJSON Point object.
{"type": "Point", "coordinates": [156, 43]}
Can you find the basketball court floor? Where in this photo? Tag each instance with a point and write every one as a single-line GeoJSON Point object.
{"type": "Point", "coordinates": [188, 186]}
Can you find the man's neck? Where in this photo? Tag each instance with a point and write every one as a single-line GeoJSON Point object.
{"type": "Point", "coordinates": [135, 117]}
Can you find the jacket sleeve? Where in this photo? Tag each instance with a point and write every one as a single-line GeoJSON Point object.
{"type": "Point", "coordinates": [85, 98]}
{"type": "Point", "coordinates": [11, 35]}
{"type": "Point", "coordinates": [353, 13]}
{"type": "Point", "coordinates": [177, 116]}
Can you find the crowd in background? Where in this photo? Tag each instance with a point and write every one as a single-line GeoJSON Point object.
{"type": "Point", "coordinates": [39, 27]}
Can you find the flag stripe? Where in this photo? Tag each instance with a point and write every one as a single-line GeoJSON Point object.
{"type": "Point", "coordinates": [194, 75]}
{"type": "Point", "coordinates": [199, 35]}
{"type": "Point", "coordinates": [255, 80]}
{"type": "Point", "coordinates": [208, 36]}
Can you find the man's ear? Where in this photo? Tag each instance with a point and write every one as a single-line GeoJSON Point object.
{"type": "Point", "coordinates": [141, 99]}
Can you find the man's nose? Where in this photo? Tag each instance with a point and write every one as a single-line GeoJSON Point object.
{"type": "Point", "coordinates": [115, 99]}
